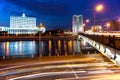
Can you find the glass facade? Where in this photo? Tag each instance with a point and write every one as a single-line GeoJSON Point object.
{"type": "Point", "coordinates": [77, 23]}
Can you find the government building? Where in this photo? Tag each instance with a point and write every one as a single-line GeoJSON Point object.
{"type": "Point", "coordinates": [23, 25]}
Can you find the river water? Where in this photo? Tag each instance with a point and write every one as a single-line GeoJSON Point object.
{"type": "Point", "coordinates": [39, 48]}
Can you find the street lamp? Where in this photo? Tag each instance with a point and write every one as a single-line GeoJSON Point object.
{"type": "Point", "coordinates": [98, 8]}
{"type": "Point", "coordinates": [84, 24]}
{"type": "Point", "coordinates": [108, 26]}
{"type": "Point", "coordinates": [87, 20]}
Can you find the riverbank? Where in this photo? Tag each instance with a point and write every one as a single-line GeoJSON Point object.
{"type": "Point", "coordinates": [36, 38]}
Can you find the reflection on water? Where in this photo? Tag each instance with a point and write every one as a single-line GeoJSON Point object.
{"type": "Point", "coordinates": [44, 48]}
{"type": "Point", "coordinates": [59, 46]}
{"type": "Point", "coordinates": [76, 46]}
{"type": "Point", "coordinates": [5, 48]}
{"type": "Point", "coordinates": [50, 47]}
{"type": "Point", "coordinates": [70, 47]}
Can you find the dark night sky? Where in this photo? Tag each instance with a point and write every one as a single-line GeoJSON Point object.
{"type": "Point", "coordinates": [58, 13]}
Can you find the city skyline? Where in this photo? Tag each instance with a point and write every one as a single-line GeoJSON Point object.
{"type": "Point", "coordinates": [58, 14]}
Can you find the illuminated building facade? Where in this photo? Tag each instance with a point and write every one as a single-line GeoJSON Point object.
{"type": "Point", "coordinates": [23, 25]}
{"type": "Point", "coordinates": [22, 22]}
{"type": "Point", "coordinates": [77, 23]}
{"type": "Point", "coordinates": [96, 28]}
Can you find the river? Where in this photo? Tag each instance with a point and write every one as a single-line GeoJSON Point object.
{"type": "Point", "coordinates": [18, 49]}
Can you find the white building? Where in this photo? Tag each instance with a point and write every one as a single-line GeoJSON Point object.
{"type": "Point", "coordinates": [2, 28]}
{"type": "Point", "coordinates": [77, 23]}
{"type": "Point", "coordinates": [23, 25]}
{"type": "Point", "coordinates": [22, 22]}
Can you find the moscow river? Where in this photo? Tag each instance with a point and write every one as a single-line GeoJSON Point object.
{"type": "Point", "coordinates": [40, 48]}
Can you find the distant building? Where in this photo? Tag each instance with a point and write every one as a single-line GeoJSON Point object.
{"type": "Point", "coordinates": [41, 27]}
{"type": "Point", "coordinates": [96, 28]}
{"type": "Point", "coordinates": [113, 26]}
{"type": "Point", "coordinates": [22, 22]}
{"type": "Point", "coordinates": [77, 23]}
{"type": "Point", "coordinates": [2, 28]}
{"type": "Point", "coordinates": [23, 25]}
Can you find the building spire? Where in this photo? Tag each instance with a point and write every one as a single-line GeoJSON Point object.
{"type": "Point", "coordinates": [23, 15]}
{"type": "Point", "coordinates": [41, 25]}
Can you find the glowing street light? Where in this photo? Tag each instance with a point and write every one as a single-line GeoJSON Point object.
{"type": "Point", "coordinates": [108, 26]}
{"type": "Point", "coordinates": [87, 21]}
{"type": "Point", "coordinates": [98, 8]}
{"type": "Point", "coordinates": [84, 25]}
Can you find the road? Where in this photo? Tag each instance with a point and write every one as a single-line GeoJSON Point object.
{"type": "Point", "coordinates": [81, 67]}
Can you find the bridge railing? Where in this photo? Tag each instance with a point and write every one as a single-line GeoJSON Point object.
{"type": "Point", "coordinates": [103, 45]}
{"type": "Point", "coordinates": [108, 40]}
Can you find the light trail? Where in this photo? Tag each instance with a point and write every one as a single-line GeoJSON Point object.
{"type": "Point", "coordinates": [97, 77]}
{"type": "Point", "coordinates": [46, 74]}
{"type": "Point", "coordinates": [75, 69]}
{"type": "Point", "coordinates": [69, 72]}
{"type": "Point", "coordinates": [53, 67]}
{"type": "Point", "coordinates": [54, 62]}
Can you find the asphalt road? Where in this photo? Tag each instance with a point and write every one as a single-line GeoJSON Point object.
{"type": "Point", "coordinates": [84, 67]}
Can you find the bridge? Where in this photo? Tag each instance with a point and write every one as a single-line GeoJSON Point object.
{"type": "Point", "coordinates": [106, 43]}
{"type": "Point", "coordinates": [69, 67]}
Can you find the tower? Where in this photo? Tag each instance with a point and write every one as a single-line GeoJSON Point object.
{"type": "Point", "coordinates": [77, 24]}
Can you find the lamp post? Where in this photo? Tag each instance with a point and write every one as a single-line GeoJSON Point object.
{"type": "Point", "coordinates": [98, 8]}
{"type": "Point", "coordinates": [108, 26]}
{"type": "Point", "coordinates": [84, 24]}
{"type": "Point", "coordinates": [87, 21]}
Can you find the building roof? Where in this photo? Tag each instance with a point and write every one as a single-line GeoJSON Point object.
{"type": "Point", "coordinates": [41, 25]}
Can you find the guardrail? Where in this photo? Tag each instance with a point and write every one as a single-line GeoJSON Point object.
{"type": "Point", "coordinates": [112, 53]}
{"type": "Point", "coordinates": [112, 41]}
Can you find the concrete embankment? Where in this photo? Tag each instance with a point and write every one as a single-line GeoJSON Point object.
{"type": "Point", "coordinates": [31, 38]}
